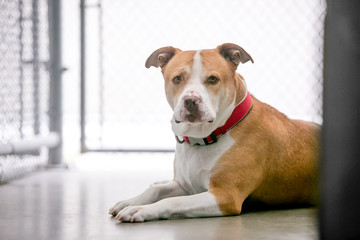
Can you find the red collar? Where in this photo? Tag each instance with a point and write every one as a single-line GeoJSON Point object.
{"type": "Point", "coordinates": [238, 114]}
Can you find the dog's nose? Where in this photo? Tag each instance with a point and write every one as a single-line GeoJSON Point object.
{"type": "Point", "coordinates": [191, 104]}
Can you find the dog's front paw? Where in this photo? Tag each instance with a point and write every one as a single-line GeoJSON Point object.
{"type": "Point", "coordinates": [118, 207]}
{"type": "Point", "coordinates": [136, 214]}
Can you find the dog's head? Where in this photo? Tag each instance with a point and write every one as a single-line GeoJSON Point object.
{"type": "Point", "coordinates": [202, 87]}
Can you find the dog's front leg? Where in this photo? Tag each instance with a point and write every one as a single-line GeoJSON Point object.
{"type": "Point", "coordinates": [198, 205]}
{"type": "Point", "coordinates": [153, 194]}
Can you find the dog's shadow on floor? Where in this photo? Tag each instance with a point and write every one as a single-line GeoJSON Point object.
{"type": "Point", "coordinates": [250, 206]}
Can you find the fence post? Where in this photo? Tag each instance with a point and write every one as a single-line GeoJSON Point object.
{"type": "Point", "coordinates": [56, 69]}
{"type": "Point", "coordinates": [36, 64]}
{"type": "Point", "coordinates": [82, 76]}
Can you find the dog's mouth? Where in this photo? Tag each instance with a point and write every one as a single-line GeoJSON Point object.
{"type": "Point", "coordinates": [190, 118]}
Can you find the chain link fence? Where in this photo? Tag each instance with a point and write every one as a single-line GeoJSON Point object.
{"type": "Point", "coordinates": [24, 82]}
{"type": "Point", "coordinates": [125, 103]}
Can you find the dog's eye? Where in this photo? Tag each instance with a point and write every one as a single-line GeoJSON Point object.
{"type": "Point", "coordinates": [177, 79]}
{"type": "Point", "coordinates": [212, 80]}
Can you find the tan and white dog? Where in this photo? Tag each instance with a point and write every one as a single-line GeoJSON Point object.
{"type": "Point", "coordinates": [230, 147]}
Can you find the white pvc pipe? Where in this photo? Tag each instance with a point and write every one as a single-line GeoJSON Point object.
{"type": "Point", "coordinates": [30, 145]}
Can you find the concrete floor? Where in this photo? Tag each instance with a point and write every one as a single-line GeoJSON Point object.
{"type": "Point", "coordinates": [73, 204]}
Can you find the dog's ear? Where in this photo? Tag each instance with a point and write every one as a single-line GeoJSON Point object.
{"type": "Point", "coordinates": [234, 53]}
{"type": "Point", "coordinates": [161, 57]}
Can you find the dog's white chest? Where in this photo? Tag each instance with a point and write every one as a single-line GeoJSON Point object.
{"type": "Point", "coordinates": [193, 164]}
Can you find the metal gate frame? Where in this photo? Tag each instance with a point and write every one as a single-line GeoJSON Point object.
{"type": "Point", "coordinates": [84, 6]}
